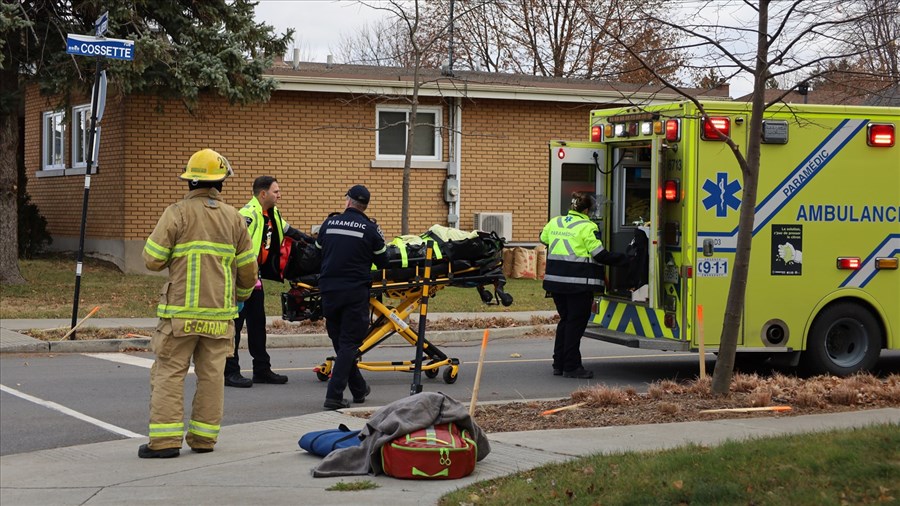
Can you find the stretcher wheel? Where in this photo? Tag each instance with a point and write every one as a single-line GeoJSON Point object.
{"type": "Point", "coordinates": [450, 376]}
{"type": "Point", "coordinates": [506, 299]}
{"type": "Point", "coordinates": [322, 372]}
{"type": "Point", "coordinates": [486, 296]}
{"type": "Point", "coordinates": [431, 373]}
{"type": "Point", "coordinates": [322, 376]}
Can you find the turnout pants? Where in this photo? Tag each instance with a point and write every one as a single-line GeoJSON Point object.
{"type": "Point", "coordinates": [347, 322]}
{"type": "Point", "coordinates": [574, 310]}
{"type": "Point", "coordinates": [173, 358]}
{"type": "Point", "coordinates": [254, 314]}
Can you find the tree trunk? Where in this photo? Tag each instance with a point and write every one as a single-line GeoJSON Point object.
{"type": "Point", "coordinates": [737, 292]}
{"type": "Point", "coordinates": [9, 140]}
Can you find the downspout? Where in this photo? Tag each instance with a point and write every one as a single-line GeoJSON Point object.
{"type": "Point", "coordinates": [452, 184]}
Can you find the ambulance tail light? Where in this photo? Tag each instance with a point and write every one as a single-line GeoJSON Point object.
{"type": "Point", "coordinates": [848, 263]}
{"type": "Point", "coordinates": [607, 131]}
{"type": "Point", "coordinates": [881, 135]}
{"type": "Point", "coordinates": [716, 129]}
{"type": "Point", "coordinates": [673, 130]}
{"type": "Point", "coordinates": [671, 191]}
{"type": "Point", "coordinates": [596, 131]}
{"type": "Point", "coordinates": [889, 263]}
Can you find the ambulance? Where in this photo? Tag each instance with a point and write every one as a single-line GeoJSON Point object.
{"type": "Point", "coordinates": [823, 289]}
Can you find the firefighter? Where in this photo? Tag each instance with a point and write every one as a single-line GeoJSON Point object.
{"type": "Point", "coordinates": [267, 231]}
{"type": "Point", "coordinates": [574, 273]}
{"type": "Point", "coordinates": [350, 243]}
{"type": "Point", "coordinates": [205, 245]}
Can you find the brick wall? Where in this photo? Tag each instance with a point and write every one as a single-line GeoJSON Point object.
{"type": "Point", "coordinates": [60, 198]}
{"type": "Point", "coordinates": [317, 145]}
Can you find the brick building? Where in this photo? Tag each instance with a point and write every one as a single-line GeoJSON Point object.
{"type": "Point", "coordinates": [325, 129]}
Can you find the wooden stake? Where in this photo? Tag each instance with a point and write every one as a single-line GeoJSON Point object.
{"type": "Point", "coordinates": [73, 329]}
{"type": "Point", "coordinates": [484, 341]}
{"type": "Point", "coordinates": [747, 410]}
{"type": "Point", "coordinates": [556, 410]}
{"type": "Point", "coordinates": [702, 342]}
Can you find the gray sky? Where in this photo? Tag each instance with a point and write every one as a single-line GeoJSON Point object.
{"type": "Point", "coordinates": [319, 25]}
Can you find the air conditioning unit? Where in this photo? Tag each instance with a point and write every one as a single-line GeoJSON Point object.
{"type": "Point", "coordinates": [500, 223]}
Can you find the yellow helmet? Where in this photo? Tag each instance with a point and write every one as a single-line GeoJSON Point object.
{"type": "Point", "coordinates": [207, 165]}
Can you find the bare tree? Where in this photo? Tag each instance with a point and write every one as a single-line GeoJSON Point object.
{"type": "Point", "coordinates": [788, 39]}
{"type": "Point", "coordinates": [558, 38]}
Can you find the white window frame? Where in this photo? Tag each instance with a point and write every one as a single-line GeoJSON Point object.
{"type": "Point", "coordinates": [48, 151]}
{"type": "Point", "coordinates": [80, 135]}
{"type": "Point", "coordinates": [438, 124]}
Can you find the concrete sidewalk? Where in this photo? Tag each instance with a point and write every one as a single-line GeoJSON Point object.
{"type": "Point", "coordinates": [13, 341]}
{"type": "Point", "coordinates": [260, 463]}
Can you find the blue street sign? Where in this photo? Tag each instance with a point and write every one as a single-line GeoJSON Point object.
{"type": "Point", "coordinates": [86, 45]}
{"type": "Point", "coordinates": [101, 24]}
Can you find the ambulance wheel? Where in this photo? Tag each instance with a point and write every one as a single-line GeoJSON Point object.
{"type": "Point", "coordinates": [450, 376]}
{"type": "Point", "coordinates": [431, 373]}
{"type": "Point", "coordinates": [844, 339]}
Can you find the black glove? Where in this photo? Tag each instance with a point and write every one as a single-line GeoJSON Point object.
{"type": "Point", "coordinates": [611, 258]}
{"type": "Point", "coordinates": [298, 236]}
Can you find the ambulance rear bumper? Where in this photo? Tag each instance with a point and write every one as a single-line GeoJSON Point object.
{"type": "Point", "coordinates": [631, 341]}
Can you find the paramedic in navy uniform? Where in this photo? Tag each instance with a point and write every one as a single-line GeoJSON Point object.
{"type": "Point", "coordinates": [350, 243]}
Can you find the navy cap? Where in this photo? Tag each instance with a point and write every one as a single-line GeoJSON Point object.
{"type": "Point", "coordinates": [359, 193]}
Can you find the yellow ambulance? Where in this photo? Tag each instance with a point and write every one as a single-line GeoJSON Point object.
{"type": "Point", "coordinates": [823, 289]}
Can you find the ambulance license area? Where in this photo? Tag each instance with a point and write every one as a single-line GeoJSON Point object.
{"type": "Point", "coordinates": [712, 267]}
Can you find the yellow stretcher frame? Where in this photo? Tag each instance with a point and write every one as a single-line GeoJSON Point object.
{"type": "Point", "coordinates": [386, 321]}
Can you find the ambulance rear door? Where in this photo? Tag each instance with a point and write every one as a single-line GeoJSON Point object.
{"type": "Point", "coordinates": [573, 168]}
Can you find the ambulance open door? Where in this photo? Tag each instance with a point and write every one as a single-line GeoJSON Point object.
{"type": "Point", "coordinates": [574, 167]}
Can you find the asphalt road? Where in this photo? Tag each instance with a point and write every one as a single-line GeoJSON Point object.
{"type": "Point", "coordinates": [60, 400]}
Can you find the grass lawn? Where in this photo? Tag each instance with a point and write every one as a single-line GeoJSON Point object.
{"type": "Point", "coordinates": [51, 288]}
{"type": "Point", "coordinates": [859, 466]}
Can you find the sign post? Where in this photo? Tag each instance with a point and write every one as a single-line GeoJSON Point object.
{"type": "Point", "coordinates": [101, 48]}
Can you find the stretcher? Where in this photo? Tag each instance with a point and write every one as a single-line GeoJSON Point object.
{"type": "Point", "coordinates": [407, 289]}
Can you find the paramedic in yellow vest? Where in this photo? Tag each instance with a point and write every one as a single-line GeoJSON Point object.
{"type": "Point", "coordinates": [574, 273]}
{"type": "Point", "coordinates": [267, 230]}
{"type": "Point", "coordinates": [204, 243]}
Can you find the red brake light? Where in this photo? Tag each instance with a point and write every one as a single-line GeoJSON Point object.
{"type": "Point", "coordinates": [710, 125]}
{"type": "Point", "coordinates": [595, 133]}
{"type": "Point", "coordinates": [881, 136]}
{"type": "Point", "coordinates": [670, 190]}
{"type": "Point", "coordinates": [673, 132]}
{"type": "Point", "coordinates": [848, 263]}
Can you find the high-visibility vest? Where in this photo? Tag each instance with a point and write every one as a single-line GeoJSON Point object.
{"type": "Point", "coordinates": [572, 242]}
{"type": "Point", "coordinates": [253, 213]}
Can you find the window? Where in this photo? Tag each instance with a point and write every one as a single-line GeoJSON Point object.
{"type": "Point", "coordinates": [392, 129]}
{"type": "Point", "coordinates": [54, 143]}
{"type": "Point", "coordinates": [81, 127]}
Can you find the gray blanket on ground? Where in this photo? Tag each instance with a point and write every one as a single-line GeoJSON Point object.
{"type": "Point", "coordinates": [397, 419]}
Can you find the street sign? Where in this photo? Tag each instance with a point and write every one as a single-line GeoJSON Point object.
{"type": "Point", "coordinates": [101, 24]}
{"type": "Point", "coordinates": [101, 96]}
{"type": "Point", "coordinates": [86, 45]}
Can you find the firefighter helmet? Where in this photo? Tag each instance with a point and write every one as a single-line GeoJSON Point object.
{"type": "Point", "coordinates": [207, 165]}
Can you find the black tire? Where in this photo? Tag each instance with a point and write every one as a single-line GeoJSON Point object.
{"type": "Point", "coordinates": [844, 339]}
{"type": "Point", "coordinates": [431, 373]}
{"type": "Point", "coordinates": [449, 377]}
{"type": "Point", "coordinates": [321, 376]}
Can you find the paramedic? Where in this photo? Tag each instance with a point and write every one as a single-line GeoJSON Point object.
{"type": "Point", "coordinates": [350, 243]}
{"type": "Point", "coordinates": [267, 230]}
{"type": "Point", "coordinates": [574, 273]}
{"type": "Point", "coordinates": [204, 243]}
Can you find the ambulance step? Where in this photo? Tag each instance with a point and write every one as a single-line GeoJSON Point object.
{"type": "Point", "coordinates": [631, 341]}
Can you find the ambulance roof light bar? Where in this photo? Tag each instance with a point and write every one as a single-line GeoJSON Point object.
{"type": "Point", "coordinates": [716, 128]}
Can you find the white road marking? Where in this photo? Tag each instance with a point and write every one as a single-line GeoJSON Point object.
{"type": "Point", "coordinates": [124, 358]}
{"type": "Point", "coordinates": [71, 412]}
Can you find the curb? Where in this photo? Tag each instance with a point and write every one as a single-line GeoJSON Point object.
{"type": "Point", "coordinates": [272, 341]}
